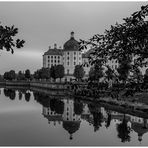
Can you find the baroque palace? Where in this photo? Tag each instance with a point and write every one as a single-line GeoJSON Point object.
{"type": "Point", "coordinates": [69, 57]}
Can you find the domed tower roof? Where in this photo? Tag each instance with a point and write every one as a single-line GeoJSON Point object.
{"type": "Point", "coordinates": [71, 127]}
{"type": "Point", "coordinates": [71, 44]}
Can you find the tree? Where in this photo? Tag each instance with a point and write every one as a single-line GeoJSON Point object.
{"type": "Point", "coordinates": [52, 72]}
{"type": "Point", "coordinates": [59, 71]}
{"type": "Point", "coordinates": [44, 73]}
{"type": "Point", "coordinates": [123, 71]}
{"type": "Point", "coordinates": [36, 74]}
{"type": "Point", "coordinates": [79, 72]}
{"type": "Point", "coordinates": [96, 72]}
{"type": "Point", "coordinates": [20, 76]}
{"type": "Point", "coordinates": [109, 73]}
{"type": "Point", "coordinates": [122, 42]}
{"type": "Point", "coordinates": [7, 38]}
{"type": "Point", "coordinates": [27, 74]}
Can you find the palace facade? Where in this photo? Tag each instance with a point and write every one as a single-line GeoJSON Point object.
{"type": "Point", "coordinates": [69, 56]}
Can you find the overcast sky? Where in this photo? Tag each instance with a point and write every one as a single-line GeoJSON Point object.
{"type": "Point", "coordinates": [41, 24]}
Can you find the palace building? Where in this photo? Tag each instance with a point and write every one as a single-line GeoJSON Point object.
{"type": "Point", "coordinates": [69, 57]}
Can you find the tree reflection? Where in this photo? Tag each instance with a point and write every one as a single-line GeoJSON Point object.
{"type": "Point", "coordinates": [41, 98]}
{"type": "Point", "coordinates": [108, 120]}
{"type": "Point", "coordinates": [97, 116]}
{"type": "Point", "coordinates": [10, 93]}
{"type": "Point", "coordinates": [20, 95]}
{"type": "Point", "coordinates": [78, 107]}
{"type": "Point", "coordinates": [57, 106]}
{"type": "Point", "coordinates": [123, 130]}
{"type": "Point", "coordinates": [27, 96]}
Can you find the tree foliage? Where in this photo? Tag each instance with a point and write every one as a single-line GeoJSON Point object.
{"type": "Point", "coordinates": [96, 72]}
{"type": "Point", "coordinates": [59, 71]}
{"type": "Point", "coordinates": [122, 42]}
{"type": "Point", "coordinates": [7, 38]}
{"type": "Point", "coordinates": [10, 75]}
{"type": "Point", "coordinates": [27, 74]}
{"type": "Point", "coordinates": [20, 76]}
{"type": "Point", "coordinates": [79, 72]}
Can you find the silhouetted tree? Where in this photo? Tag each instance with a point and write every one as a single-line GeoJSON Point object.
{"type": "Point", "coordinates": [7, 38]}
{"type": "Point", "coordinates": [10, 75]}
{"type": "Point", "coordinates": [20, 76]}
{"type": "Point", "coordinates": [122, 42]}
{"type": "Point", "coordinates": [27, 74]}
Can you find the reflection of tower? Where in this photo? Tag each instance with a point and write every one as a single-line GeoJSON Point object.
{"type": "Point", "coordinates": [71, 121]}
{"type": "Point", "coordinates": [139, 125]}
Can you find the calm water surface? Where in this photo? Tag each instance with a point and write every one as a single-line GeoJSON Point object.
{"type": "Point", "coordinates": [33, 118]}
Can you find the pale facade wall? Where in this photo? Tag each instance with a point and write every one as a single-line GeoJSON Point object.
{"type": "Point", "coordinates": [70, 60]}
{"type": "Point", "coordinates": [51, 60]}
{"type": "Point", "coordinates": [69, 114]}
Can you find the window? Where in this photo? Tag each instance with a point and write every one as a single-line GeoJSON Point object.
{"type": "Point", "coordinates": [67, 63]}
{"type": "Point", "coordinates": [58, 61]}
{"type": "Point", "coordinates": [55, 57]}
{"type": "Point", "coordinates": [55, 61]}
{"type": "Point", "coordinates": [74, 63]}
{"type": "Point", "coordinates": [51, 61]}
{"type": "Point", "coordinates": [67, 53]}
{"type": "Point", "coordinates": [79, 58]}
{"type": "Point", "coordinates": [48, 57]}
{"type": "Point", "coordinates": [58, 57]}
{"type": "Point", "coordinates": [74, 58]}
{"type": "Point", "coordinates": [51, 56]}
{"type": "Point", "coordinates": [74, 53]}
{"type": "Point", "coordinates": [67, 71]}
{"type": "Point", "coordinates": [67, 58]}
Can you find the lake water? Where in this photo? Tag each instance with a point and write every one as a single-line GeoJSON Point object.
{"type": "Point", "coordinates": [30, 118]}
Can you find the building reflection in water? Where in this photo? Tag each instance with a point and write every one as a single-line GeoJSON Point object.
{"type": "Point", "coordinates": [69, 113]}
{"type": "Point", "coordinates": [70, 120]}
